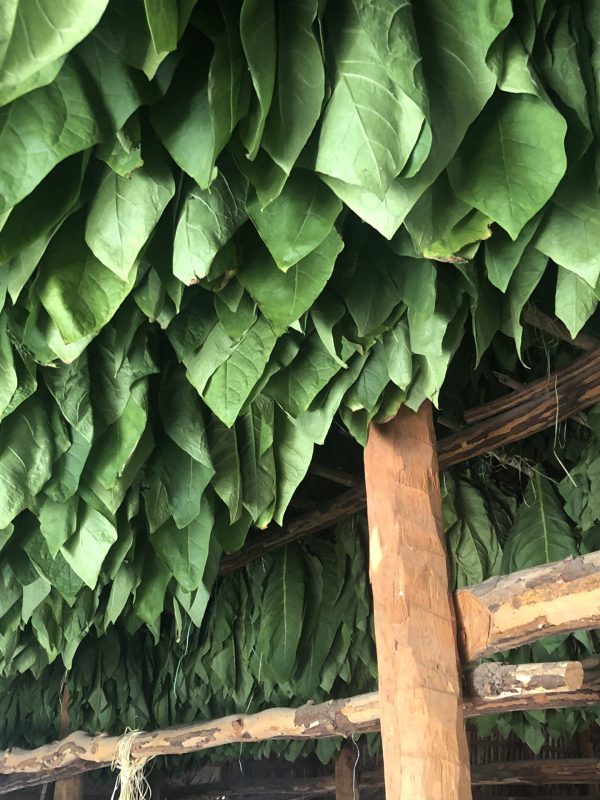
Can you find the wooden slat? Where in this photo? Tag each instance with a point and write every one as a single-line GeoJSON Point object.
{"type": "Point", "coordinates": [422, 726]}
{"type": "Point", "coordinates": [346, 778]}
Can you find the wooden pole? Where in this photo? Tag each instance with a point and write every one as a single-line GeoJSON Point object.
{"type": "Point", "coordinates": [423, 733]}
{"type": "Point", "coordinates": [70, 788]}
{"type": "Point", "coordinates": [525, 606]}
{"type": "Point", "coordinates": [81, 752]}
{"type": "Point", "coordinates": [346, 778]}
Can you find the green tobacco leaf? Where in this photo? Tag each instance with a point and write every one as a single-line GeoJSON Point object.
{"type": "Point", "coordinates": [295, 387]}
{"type": "Point", "coordinates": [370, 125]}
{"type": "Point", "coordinates": [163, 21]}
{"type": "Point", "coordinates": [208, 220]}
{"type": "Point", "coordinates": [570, 231]}
{"type": "Point", "coordinates": [8, 374]}
{"type": "Point", "coordinates": [296, 223]}
{"type": "Point", "coordinates": [575, 300]}
{"type": "Point", "coordinates": [475, 551]}
{"type": "Point", "coordinates": [123, 152]}
{"type": "Point", "coordinates": [541, 532]}
{"type": "Point", "coordinates": [299, 86]}
{"type": "Point", "coordinates": [227, 481]}
{"type": "Point", "coordinates": [511, 160]}
{"type": "Point", "coordinates": [87, 548]}
{"type": "Point", "coordinates": [255, 435]}
{"type": "Point", "coordinates": [34, 217]}
{"type": "Point", "coordinates": [502, 254]}
{"type": "Point", "coordinates": [281, 616]}
{"type": "Point", "coordinates": [124, 211]}
{"type": "Point", "coordinates": [525, 278]}
{"type": "Point", "coordinates": [284, 296]}
{"type": "Point", "coordinates": [293, 448]}
{"type": "Point", "coordinates": [230, 385]}
{"type": "Point", "coordinates": [258, 35]}
{"type": "Point", "coordinates": [76, 289]}
{"type": "Point", "coordinates": [185, 551]}
{"type": "Point", "coordinates": [40, 34]}
{"type": "Point", "coordinates": [26, 455]}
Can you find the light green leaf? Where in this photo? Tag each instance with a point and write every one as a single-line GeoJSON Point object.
{"type": "Point", "coordinates": [258, 35]}
{"type": "Point", "coordinates": [42, 33]}
{"type": "Point", "coordinates": [208, 220]}
{"type": "Point", "coordinates": [296, 223]}
{"type": "Point", "coordinates": [184, 552]}
{"type": "Point", "coordinates": [475, 552]}
{"type": "Point", "coordinates": [227, 481]}
{"type": "Point", "coordinates": [26, 455]}
{"type": "Point", "coordinates": [293, 448]}
{"type": "Point", "coordinates": [541, 532]}
{"type": "Point", "coordinates": [124, 211]}
{"type": "Point", "coordinates": [284, 296]}
{"type": "Point", "coordinates": [525, 278]}
{"type": "Point", "coordinates": [511, 160]}
{"type": "Point", "coordinates": [163, 21]}
{"type": "Point", "coordinates": [502, 254]}
{"type": "Point", "coordinates": [575, 301]}
{"type": "Point", "coordinates": [87, 548]}
{"type": "Point", "coordinates": [370, 125]}
{"type": "Point", "coordinates": [231, 384]}
{"type": "Point", "coordinates": [76, 289]}
{"type": "Point", "coordinates": [300, 84]}
{"type": "Point", "coordinates": [8, 374]}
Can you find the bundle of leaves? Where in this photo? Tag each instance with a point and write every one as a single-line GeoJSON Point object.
{"type": "Point", "coordinates": [224, 226]}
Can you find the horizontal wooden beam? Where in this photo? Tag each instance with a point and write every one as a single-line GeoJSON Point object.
{"type": "Point", "coordinates": [538, 772]}
{"type": "Point", "coordinates": [332, 512]}
{"type": "Point", "coordinates": [537, 319]}
{"type": "Point", "coordinates": [490, 684]}
{"type": "Point", "coordinates": [517, 415]}
{"type": "Point", "coordinates": [522, 413]}
{"type": "Point", "coordinates": [511, 610]}
{"type": "Point", "coordinates": [528, 772]}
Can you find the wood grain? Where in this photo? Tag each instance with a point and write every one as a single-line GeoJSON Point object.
{"type": "Point", "coordinates": [422, 725]}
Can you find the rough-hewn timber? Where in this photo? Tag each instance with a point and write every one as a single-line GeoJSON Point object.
{"type": "Point", "coordinates": [525, 606]}
{"type": "Point", "coordinates": [346, 777]}
{"type": "Point", "coordinates": [422, 726]}
{"type": "Point", "coordinates": [79, 753]}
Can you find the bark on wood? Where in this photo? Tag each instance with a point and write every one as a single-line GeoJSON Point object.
{"type": "Point", "coordinates": [81, 752]}
{"type": "Point", "coordinates": [497, 688]}
{"type": "Point", "coordinates": [537, 772]}
{"type": "Point", "coordinates": [347, 504]}
{"type": "Point", "coordinates": [536, 318]}
{"type": "Point", "coordinates": [525, 606]}
{"type": "Point", "coordinates": [346, 777]}
{"type": "Point", "coordinates": [423, 732]}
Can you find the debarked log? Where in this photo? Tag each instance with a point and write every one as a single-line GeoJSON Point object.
{"type": "Point", "coordinates": [511, 610]}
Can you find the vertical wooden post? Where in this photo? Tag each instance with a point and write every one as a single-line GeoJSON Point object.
{"type": "Point", "coordinates": [67, 788]}
{"type": "Point", "coordinates": [424, 743]}
{"type": "Point", "coordinates": [346, 779]}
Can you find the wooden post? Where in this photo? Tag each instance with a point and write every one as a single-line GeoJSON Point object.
{"type": "Point", "coordinates": [424, 743]}
{"type": "Point", "coordinates": [70, 788]}
{"type": "Point", "coordinates": [346, 778]}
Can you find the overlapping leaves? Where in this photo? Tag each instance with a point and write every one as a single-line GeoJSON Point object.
{"type": "Point", "coordinates": [222, 225]}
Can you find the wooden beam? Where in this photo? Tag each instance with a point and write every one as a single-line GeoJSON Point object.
{"type": "Point", "coordinates": [81, 752]}
{"type": "Point", "coordinates": [538, 772]}
{"type": "Point", "coordinates": [341, 507]}
{"type": "Point", "coordinates": [537, 319]}
{"type": "Point", "coordinates": [525, 606]}
{"type": "Point", "coordinates": [422, 725]}
{"type": "Point", "coordinates": [520, 414]}
{"type": "Point", "coordinates": [70, 788]}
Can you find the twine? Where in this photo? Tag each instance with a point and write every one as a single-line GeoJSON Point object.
{"type": "Point", "coordinates": [131, 780]}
